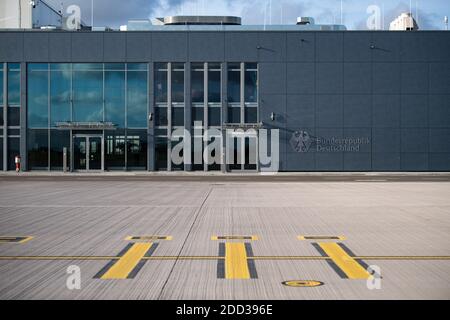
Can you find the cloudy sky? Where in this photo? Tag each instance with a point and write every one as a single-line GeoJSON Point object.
{"type": "Point", "coordinates": [113, 13]}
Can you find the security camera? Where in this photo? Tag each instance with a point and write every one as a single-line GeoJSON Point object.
{"type": "Point", "coordinates": [33, 3]}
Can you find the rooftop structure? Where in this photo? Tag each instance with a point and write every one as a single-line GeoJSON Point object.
{"type": "Point", "coordinates": [405, 22]}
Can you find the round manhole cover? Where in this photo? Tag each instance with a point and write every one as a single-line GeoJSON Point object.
{"type": "Point", "coordinates": [302, 283]}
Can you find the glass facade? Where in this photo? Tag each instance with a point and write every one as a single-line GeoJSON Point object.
{"type": "Point", "coordinates": [242, 93]}
{"type": "Point", "coordinates": [86, 93]}
{"type": "Point", "coordinates": [62, 97]}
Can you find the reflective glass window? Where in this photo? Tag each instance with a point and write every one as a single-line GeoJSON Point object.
{"type": "Point", "coordinates": [214, 116]}
{"type": "Point", "coordinates": [1, 83]}
{"type": "Point", "coordinates": [38, 149]}
{"type": "Point", "coordinates": [87, 94]}
{"type": "Point", "coordinates": [214, 89]}
{"type": "Point", "coordinates": [60, 93]}
{"type": "Point", "coordinates": [251, 83]}
{"type": "Point", "coordinates": [177, 82]}
{"type": "Point", "coordinates": [137, 99]}
{"type": "Point", "coordinates": [234, 82]}
{"type": "Point", "coordinates": [13, 84]}
{"type": "Point", "coordinates": [197, 82]}
{"type": "Point", "coordinates": [59, 139]}
{"type": "Point", "coordinates": [13, 116]}
{"type": "Point", "coordinates": [137, 149]}
{"type": "Point", "coordinates": [115, 150]}
{"type": "Point", "coordinates": [13, 151]}
{"type": "Point", "coordinates": [1, 153]}
{"type": "Point", "coordinates": [161, 153]}
{"type": "Point", "coordinates": [115, 97]}
{"type": "Point", "coordinates": [161, 116]}
{"type": "Point", "coordinates": [160, 82]}
{"type": "Point", "coordinates": [178, 116]}
{"type": "Point", "coordinates": [37, 97]}
{"type": "Point", "coordinates": [234, 114]}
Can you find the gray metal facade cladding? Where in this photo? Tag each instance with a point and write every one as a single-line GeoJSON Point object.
{"type": "Point", "coordinates": [343, 101]}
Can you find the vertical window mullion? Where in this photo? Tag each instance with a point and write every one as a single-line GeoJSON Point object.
{"type": "Point", "coordinates": [169, 116]}
{"type": "Point", "coordinates": [242, 78]}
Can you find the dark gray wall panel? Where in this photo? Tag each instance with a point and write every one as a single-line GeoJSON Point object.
{"type": "Point", "coordinates": [273, 103]}
{"type": "Point", "coordinates": [439, 110]}
{"type": "Point", "coordinates": [386, 78]}
{"type": "Point", "coordinates": [385, 161]}
{"type": "Point", "coordinates": [357, 161]}
{"type": "Point", "coordinates": [357, 110]}
{"type": "Point", "coordinates": [357, 77]}
{"type": "Point", "coordinates": [301, 46]}
{"type": "Point", "coordinates": [138, 47]}
{"type": "Point", "coordinates": [199, 41]}
{"type": "Point", "coordinates": [414, 47]}
{"type": "Point", "coordinates": [329, 111]}
{"type": "Point", "coordinates": [300, 111]}
{"type": "Point", "coordinates": [386, 46]}
{"type": "Point", "coordinates": [60, 47]}
{"type": "Point", "coordinates": [241, 46]}
{"type": "Point", "coordinates": [114, 47]}
{"type": "Point", "coordinates": [439, 140]}
{"type": "Point", "coordinates": [272, 77]}
{"type": "Point", "coordinates": [87, 47]}
{"type": "Point", "coordinates": [272, 46]}
{"type": "Point", "coordinates": [414, 140]}
{"type": "Point", "coordinates": [301, 161]}
{"type": "Point", "coordinates": [11, 47]}
{"type": "Point", "coordinates": [440, 78]}
{"type": "Point", "coordinates": [35, 47]}
{"type": "Point", "coordinates": [300, 78]}
{"type": "Point", "coordinates": [360, 133]}
{"type": "Point", "coordinates": [439, 161]}
{"type": "Point", "coordinates": [329, 46]}
{"type": "Point", "coordinates": [414, 161]}
{"type": "Point", "coordinates": [329, 78]}
{"type": "Point", "coordinates": [414, 111]}
{"type": "Point", "coordinates": [329, 161]}
{"type": "Point", "coordinates": [438, 46]}
{"type": "Point", "coordinates": [169, 46]}
{"type": "Point", "coordinates": [386, 140]}
{"type": "Point", "coordinates": [357, 46]}
{"type": "Point", "coordinates": [386, 111]}
{"type": "Point", "coordinates": [414, 78]}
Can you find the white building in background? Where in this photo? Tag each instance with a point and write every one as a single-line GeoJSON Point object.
{"type": "Point", "coordinates": [405, 21]}
{"type": "Point", "coordinates": [28, 14]}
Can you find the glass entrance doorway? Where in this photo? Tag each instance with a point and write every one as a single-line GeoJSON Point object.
{"type": "Point", "coordinates": [244, 152]}
{"type": "Point", "coordinates": [87, 152]}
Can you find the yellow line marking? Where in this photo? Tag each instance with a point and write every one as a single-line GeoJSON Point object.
{"type": "Point", "coordinates": [347, 264]}
{"type": "Point", "coordinates": [234, 237]}
{"type": "Point", "coordinates": [220, 258]}
{"type": "Point", "coordinates": [236, 266]}
{"type": "Point", "coordinates": [303, 237]}
{"type": "Point", "coordinates": [127, 262]}
{"type": "Point", "coordinates": [11, 239]}
{"type": "Point", "coordinates": [146, 238]}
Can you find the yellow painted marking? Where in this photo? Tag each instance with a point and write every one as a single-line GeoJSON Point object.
{"type": "Point", "coordinates": [302, 283]}
{"type": "Point", "coordinates": [236, 266]}
{"type": "Point", "coordinates": [127, 262]}
{"type": "Point", "coordinates": [234, 238]}
{"type": "Point", "coordinates": [148, 238]}
{"type": "Point", "coordinates": [347, 264]}
{"type": "Point", "coordinates": [220, 258]}
{"type": "Point", "coordinates": [7, 239]}
{"type": "Point", "coordinates": [303, 237]}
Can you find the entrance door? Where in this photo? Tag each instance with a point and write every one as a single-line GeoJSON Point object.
{"type": "Point", "coordinates": [87, 152]}
{"type": "Point", "coordinates": [244, 153]}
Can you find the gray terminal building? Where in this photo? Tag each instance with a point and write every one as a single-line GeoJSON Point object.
{"type": "Point", "coordinates": [111, 100]}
